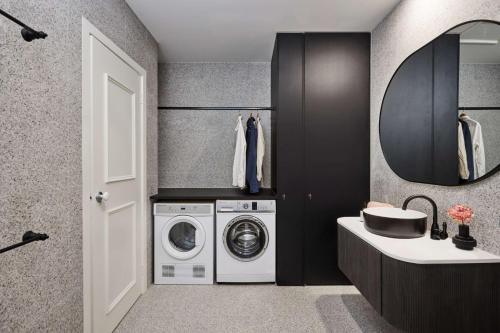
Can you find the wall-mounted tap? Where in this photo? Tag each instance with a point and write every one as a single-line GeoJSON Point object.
{"type": "Point", "coordinates": [435, 226]}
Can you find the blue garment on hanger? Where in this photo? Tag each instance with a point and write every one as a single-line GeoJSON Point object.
{"type": "Point", "coordinates": [251, 169]}
{"type": "Point", "coordinates": [468, 148]}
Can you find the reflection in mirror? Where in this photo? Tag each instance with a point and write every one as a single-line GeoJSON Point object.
{"type": "Point", "coordinates": [440, 118]}
{"type": "Point", "coordinates": [479, 92]}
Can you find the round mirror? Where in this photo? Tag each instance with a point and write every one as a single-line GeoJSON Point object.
{"type": "Point", "coordinates": [440, 117]}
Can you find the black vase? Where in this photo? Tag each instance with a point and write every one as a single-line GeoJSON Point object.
{"type": "Point", "coordinates": [463, 240]}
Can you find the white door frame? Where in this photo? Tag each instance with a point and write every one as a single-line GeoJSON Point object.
{"type": "Point", "coordinates": [89, 30]}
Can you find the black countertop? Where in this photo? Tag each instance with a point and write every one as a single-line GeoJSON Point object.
{"type": "Point", "coordinates": [210, 194]}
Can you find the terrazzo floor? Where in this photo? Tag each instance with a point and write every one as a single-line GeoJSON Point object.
{"type": "Point", "coordinates": [252, 308]}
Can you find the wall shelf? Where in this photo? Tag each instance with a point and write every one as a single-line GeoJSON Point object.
{"type": "Point", "coordinates": [210, 194]}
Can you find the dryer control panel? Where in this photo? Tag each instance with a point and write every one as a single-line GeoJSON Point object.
{"type": "Point", "coordinates": [246, 206]}
{"type": "Point", "coordinates": [173, 209]}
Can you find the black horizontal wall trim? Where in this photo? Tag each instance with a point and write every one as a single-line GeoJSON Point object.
{"type": "Point", "coordinates": [479, 108]}
{"type": "Point", "coordinates": [251, 108]}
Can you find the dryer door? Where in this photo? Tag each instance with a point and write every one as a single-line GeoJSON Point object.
{"type": "Point", "coordinates": [246, 238]}
{"type": "Point", "coordinates": [183, 237]}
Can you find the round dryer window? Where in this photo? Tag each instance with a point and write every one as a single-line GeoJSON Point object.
{"type": "Point", "coordinates": [183, 237]}
{"type": "Point", "coordinates": [246, 238]}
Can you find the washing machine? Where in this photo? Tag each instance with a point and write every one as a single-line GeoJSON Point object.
{"type": "Point", "coordinates": [183, 243]}
{"type": "Point", "coordinates": [246, 241]}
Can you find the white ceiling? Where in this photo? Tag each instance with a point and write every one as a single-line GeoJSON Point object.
{"type": "Point", "coordinates": [244, 30]}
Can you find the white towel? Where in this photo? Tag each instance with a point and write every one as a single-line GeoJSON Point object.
{"type": "Point", "coordinates": [260, 149]}
{"type": "Point", "coordinates": [240, 153]}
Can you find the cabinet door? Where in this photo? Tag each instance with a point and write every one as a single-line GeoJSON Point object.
{"type": "Point", "coordinates": [336, 113]}
{"type": "Point", "coordinates": [286, 95]}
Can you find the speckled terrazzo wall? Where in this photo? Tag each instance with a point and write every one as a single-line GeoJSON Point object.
{"type": "Point", "coordinates": [40, 154]}
{"type": "Point", "coordinates": [480, 86]}
{"type": "Point", "coordinates": [196, 148]}
{"type": "Point", "coordinates": [412, 24]}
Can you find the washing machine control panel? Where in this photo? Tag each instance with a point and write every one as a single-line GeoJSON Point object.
{"type": "Point", "coordinates": [246, 206]}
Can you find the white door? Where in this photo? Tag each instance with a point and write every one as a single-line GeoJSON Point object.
{"type": "Point", "coordinates": [115, 215]}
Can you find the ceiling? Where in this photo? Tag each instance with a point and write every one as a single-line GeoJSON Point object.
{"type": "Point", "coordinates": [479, 53]}
{"type": "Point", "coordinates": [244, 30]}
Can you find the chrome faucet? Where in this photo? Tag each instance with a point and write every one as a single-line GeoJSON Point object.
{"type": "Point", "coordinates": [435, 226]}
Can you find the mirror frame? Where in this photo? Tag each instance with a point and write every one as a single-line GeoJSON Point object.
{"type": "Point", "coordinates": [485, 176]}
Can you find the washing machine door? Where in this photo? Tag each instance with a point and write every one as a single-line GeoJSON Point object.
{"type": "Point", "coordinates": [246, 238]}
{"type": "Point", "coordinates": [183, 237]}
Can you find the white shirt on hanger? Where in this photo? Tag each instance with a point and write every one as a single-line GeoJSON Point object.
{"type": "Point", "coordinates": [462, 154]}
{"type": "Point", "coordinates": [240, 153]}
{"type": "Point", "coordinates": [477, 146]}
{"type": "Point", "coordinates": [260, 149]}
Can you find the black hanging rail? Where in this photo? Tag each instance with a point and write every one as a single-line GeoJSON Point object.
{"type": "Point", "coordinates": [27, 32]}
{"type": "Point", "coordinates": [251, 108]}
{"type": "Point", "coordinates": [465, 108]}
{"type": "Point", "coordinates": [28, 237]}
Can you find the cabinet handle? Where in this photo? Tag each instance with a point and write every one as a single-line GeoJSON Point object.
{"type": "Point", "coordinates": [310, 196]}
{"type": "Point", "coordinates": [283, 196]}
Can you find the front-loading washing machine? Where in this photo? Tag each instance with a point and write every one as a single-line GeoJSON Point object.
{"type": "Point", "coordinates": [183, 243]}
{"type": "Point", "coordinates": [246, 241]}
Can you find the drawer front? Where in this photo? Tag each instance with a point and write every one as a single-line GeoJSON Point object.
{"type": "Point", "coordinates": [362, 264]}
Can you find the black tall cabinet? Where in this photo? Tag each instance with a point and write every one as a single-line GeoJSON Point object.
{"type": "Point", "coordinates": [320, 90]}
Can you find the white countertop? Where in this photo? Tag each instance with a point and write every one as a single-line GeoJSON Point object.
{"type": "Point", "coordinates": [423, 250]}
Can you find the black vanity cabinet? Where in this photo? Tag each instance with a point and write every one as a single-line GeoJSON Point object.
{"type": "Point", "coordinates": [419, 297]}
{"type": "Point", "coordinates": [361, 263]}
{"type": "Point", "coordinates": [321, 95]}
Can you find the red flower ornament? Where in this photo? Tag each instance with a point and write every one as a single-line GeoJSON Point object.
{"type": "Point", "coordinates": [460, 213]}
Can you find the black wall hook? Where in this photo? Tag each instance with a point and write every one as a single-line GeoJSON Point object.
{"type": "Point", "coordinates": [29, 35]}
{"type": "Point", "coordinates": [28, 237]}
{"type": "Point", "coordinates": [27, 32]}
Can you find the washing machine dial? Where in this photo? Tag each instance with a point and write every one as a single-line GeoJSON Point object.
{"type": "Point", "coordinates": [245, 205]}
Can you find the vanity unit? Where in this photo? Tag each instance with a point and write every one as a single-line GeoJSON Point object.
{"type": "Point", "coordinates": [420, 284]}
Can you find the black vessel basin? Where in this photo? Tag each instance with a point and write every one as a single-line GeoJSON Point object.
{"type": "Point", "coordinates": [395, 222]}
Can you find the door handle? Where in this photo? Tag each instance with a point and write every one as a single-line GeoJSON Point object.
{"type": "Point", "coordinates": [101, 196]}
{"type": "Point", "coordinates": [283, 196]}
{"type": "Point", "coordinates": [310, 196]}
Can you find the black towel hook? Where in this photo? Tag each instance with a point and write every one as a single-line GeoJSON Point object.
{"type": "Point", "coordinates": [27, 32]}
{"type": "Point", "coordinates": [28, 237]}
